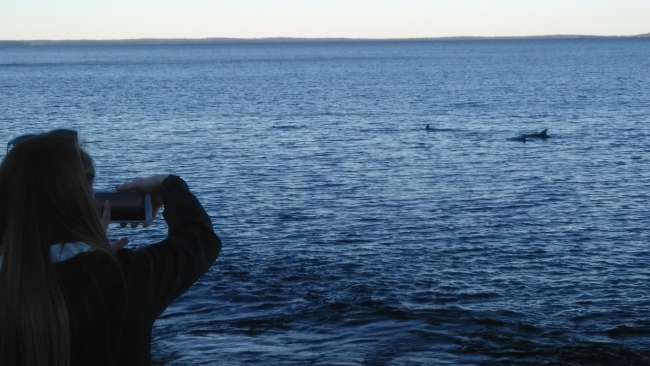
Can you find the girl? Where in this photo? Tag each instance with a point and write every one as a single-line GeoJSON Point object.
{"type": "Point", "coordinates": [67, 298]}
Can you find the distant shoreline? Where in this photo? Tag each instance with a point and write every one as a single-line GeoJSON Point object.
{"type": "Point", "coordinates": [270, 40]}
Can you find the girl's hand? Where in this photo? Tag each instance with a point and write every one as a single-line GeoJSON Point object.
{"type": "Point", "coordinates": [106, 220]}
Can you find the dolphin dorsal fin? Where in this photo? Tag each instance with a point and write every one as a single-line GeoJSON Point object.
{"type": "Point", "coordinates": [544, 132]}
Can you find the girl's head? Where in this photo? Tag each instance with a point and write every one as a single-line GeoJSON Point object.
{"type": "Point", "coordinates": [46, 198]}
{"type": "Point", "coordinates": [46, 181]}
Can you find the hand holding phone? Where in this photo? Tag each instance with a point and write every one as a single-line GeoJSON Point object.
{"type": "Point", "coordinates": [134, 202]}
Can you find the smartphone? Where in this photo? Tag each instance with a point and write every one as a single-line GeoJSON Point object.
{"type": "Point", "coordinates": [130, 207]}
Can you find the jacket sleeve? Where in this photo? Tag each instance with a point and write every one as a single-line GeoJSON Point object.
{"type": "Point", "coordinates": [159, 273]}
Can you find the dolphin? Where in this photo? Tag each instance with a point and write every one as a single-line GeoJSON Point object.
{"type": "Point", "coordinates": [520, 138]}
{"type": "Point", "coordinates": [542, 135]}
{"type": "Point", "coordinates": [428, 128]}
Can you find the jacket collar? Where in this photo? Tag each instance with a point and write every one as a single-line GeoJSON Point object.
{"type": "Point", "coordinates": [63, 252]}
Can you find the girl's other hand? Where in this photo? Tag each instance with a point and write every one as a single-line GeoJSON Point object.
{"type": "Point", "coordinates": [106, 220]}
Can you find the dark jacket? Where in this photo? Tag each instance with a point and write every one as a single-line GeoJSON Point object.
{"type": "Point", "coordinates": [113, 301]}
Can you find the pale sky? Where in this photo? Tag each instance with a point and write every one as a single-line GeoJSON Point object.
{"type": "Point", "coordinates": [119, 19]}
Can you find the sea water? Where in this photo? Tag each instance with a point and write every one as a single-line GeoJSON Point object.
{"type": "Point", "coordinates": [352, 236]}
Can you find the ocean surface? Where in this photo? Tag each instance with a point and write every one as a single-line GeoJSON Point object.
{"type": "Point", "coordinates": [352, 236]}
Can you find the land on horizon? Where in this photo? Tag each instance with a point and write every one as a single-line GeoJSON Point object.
{"type": "Point", "coordinates": [217, 40]}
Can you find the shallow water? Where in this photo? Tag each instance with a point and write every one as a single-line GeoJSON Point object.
{"type": "Point", "coordinates": [351, 235]}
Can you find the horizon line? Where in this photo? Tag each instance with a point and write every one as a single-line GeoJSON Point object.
{"type": "Point", "coordinates": [308, 39]}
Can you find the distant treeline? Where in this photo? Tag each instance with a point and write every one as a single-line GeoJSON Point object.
{"type": "Point", "coordinates": [172, 41]}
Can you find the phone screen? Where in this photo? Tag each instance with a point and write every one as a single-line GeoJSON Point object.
{"type": "Point", "coordinates": [127, 206]}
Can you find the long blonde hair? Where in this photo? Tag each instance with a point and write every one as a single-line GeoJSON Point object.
{"type": "Point", "coordinates": [45, 198]}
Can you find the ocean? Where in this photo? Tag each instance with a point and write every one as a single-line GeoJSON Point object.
{"type": "Point", "coordinates": [353, 236]}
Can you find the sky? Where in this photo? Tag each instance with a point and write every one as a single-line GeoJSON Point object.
{"type": "Point", "coordinates": [122, 19]}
